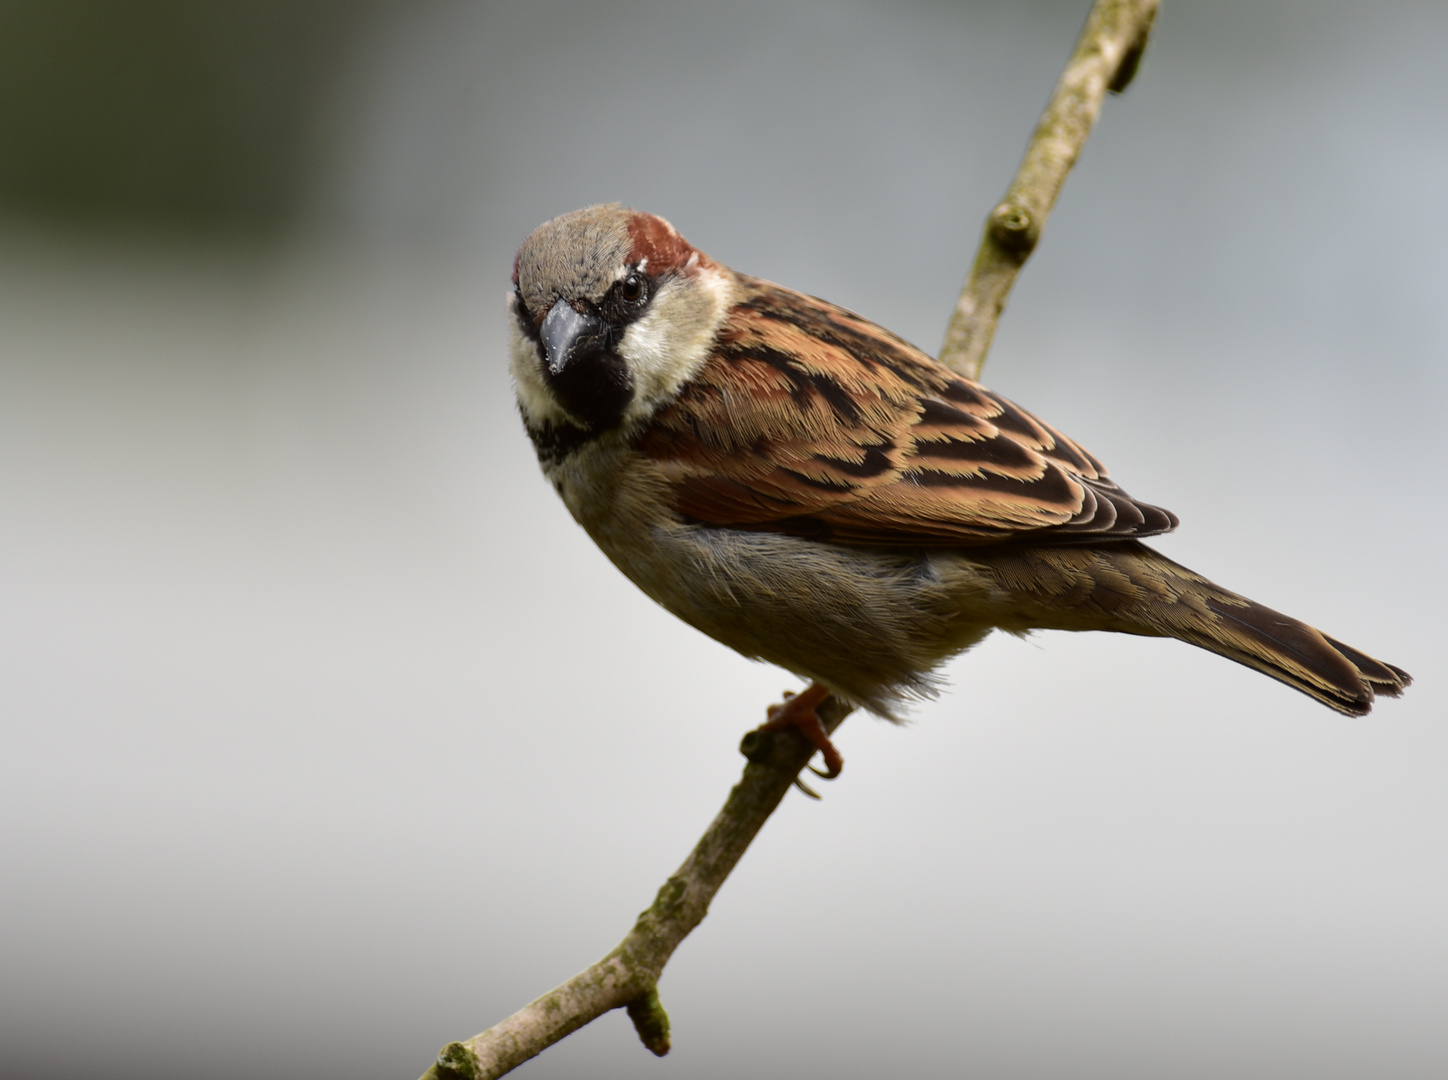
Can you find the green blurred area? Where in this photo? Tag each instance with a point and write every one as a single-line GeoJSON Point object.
{"type": "Point", "coordinates": [173, 114]}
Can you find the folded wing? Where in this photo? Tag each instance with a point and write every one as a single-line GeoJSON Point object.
{"type": "Point", "coordinates": [814, 421]}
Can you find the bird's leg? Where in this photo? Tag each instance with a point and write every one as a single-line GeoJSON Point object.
{"type": "Point", "coordinates": [798, 712]}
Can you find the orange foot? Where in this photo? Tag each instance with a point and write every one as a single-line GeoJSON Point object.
{"type": "Point", "coordinates": [798, 712]}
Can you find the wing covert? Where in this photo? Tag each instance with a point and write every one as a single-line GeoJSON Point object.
{"type": "Point", "coordinates": [812, 420]}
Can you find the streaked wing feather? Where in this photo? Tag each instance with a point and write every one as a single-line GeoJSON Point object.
{"type": "Point", "coordinates": [812, 420]}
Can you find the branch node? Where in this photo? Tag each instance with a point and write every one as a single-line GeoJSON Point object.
{"type": "Point", "coordinates": [651, 1022]}
{"type": "Point", "coordinates": [1131, 59]}
{"type": "Point", "coordinates": [456, 1062]}
{"type": "Point", "coordinates": [1106, 55]}
{"type": "Point", "coordinates": [756, 745]}
{"type": "Point", "coordinates": [1015, 229]}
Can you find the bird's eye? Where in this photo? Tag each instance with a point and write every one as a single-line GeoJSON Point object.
{"type": "Point", "coordinates": [632, 288]}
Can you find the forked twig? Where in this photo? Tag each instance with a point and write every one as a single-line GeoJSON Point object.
{"type": "Point", "coordinates": [1105, 58]}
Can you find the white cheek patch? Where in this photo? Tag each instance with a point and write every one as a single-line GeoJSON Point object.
{"type": "Point", "coordinates": [668, 346]}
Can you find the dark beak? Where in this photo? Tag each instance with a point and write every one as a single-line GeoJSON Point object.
{"type": "Point", "coordinates": [567, 335]}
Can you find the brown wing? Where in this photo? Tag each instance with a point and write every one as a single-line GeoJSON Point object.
{"type": "Point", "coordinates": [814, 421]}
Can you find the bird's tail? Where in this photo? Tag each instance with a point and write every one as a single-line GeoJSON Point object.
{"type": "Point", "coordinates": [1130, 588]}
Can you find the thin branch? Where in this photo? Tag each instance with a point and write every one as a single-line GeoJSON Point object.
{"type": "Point", "coordinates": [627, 976]}
{"type": "Point", "coordinates": [1105, 58]}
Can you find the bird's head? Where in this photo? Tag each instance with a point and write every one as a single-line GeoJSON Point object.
{"type": "Point", "coordinates": [612, 312]}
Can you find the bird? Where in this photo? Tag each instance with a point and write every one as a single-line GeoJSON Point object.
{"type": "Point", "coordinates": [813, 491]}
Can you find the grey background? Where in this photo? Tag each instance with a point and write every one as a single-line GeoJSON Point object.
{"type": "Point", "coordinates": [327, 738]}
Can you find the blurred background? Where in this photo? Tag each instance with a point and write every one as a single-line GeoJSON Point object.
{"type": "Point", "coordinates": [327, 738]}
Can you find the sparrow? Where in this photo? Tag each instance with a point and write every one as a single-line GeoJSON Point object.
{"type": "Point", "coordinates": [813, 491]}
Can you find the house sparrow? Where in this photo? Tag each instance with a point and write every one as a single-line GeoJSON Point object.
{"type": "Point", "coordinates": [811, 490]}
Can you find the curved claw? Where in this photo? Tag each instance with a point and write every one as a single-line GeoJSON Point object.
{"type": "Point", "coordinates": [806, 789]}
{"type": "Point", "coordinates": [797, 711]}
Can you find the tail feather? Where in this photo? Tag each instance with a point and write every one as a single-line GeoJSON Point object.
{"type": "Point", "coordinates": [1130, 588]}
{"type": "Point", "coordinates": [1386, 679]}
{"type": "Point", "coordinates": [1296, 654]}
